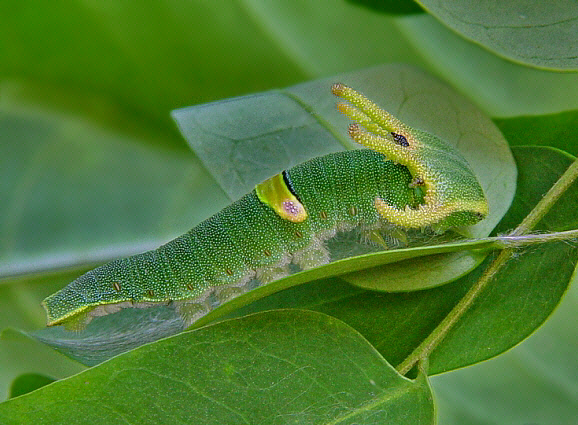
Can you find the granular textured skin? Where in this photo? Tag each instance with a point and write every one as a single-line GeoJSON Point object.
{"type": "Point", "coordinates": [407, 179]}
{"type": "Point", "coordinates": [231, 245]}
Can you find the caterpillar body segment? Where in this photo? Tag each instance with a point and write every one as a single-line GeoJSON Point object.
{"type": "Point", "coordinates": [453, 195]}
{"type": "Point", "coordinates": [246, 240]}
{"type": "Point", "coordinates": [407, 179]}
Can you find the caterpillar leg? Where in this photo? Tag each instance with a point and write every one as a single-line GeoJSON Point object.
{"type": "Point", "coordinates": [386, 237]}
{"type": "Point", "coordinates": [191, 311]}
{"type": "Point", "coordinates": [314, 256]}
{"type": "Point", "coordinates": [226, 294]}
{"type": "Point", "coordinates": [79, 322]}
{"type": "Point", "coordinates": [269, 274]}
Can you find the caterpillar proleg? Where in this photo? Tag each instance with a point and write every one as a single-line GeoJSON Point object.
{"type": "Point", "coordinates": [407, 179]}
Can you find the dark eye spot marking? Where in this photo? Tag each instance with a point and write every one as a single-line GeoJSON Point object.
{"type": "Point", "coordinates": [267, 253]}
{"type": "Point", "coordinates": [190, 287]}
{"type": "Point", "coordinates": [323, 215]}
{"type": "Point", "coordinates": [116, 286]}
{"type": "Point", "coordinates": [298, 234]}
{"type": "Point", "coordinates": [229, 272]}
{"type": "Point", "coordinates": [352, 211]}
{"type": "Point", "coordinates": [417, 181]}
{"type": "Point", "coordinates": [150, 293]}
{"type": "Point", "coordinates": [400, 139]}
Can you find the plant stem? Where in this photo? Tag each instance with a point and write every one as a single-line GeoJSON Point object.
{"type": "Point", "coordinates": [439, 333]}
{"type": "Point", "coordinates": [515, 238]}
{"type": "Point", "coordinates": [548, 200]}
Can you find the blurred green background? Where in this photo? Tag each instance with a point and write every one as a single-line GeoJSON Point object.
{"type": "Point", "coordinates": [92, 166]}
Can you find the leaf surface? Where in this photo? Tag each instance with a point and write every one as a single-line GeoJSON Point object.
{"type": "Point", "coordinates": [269, 368]}
{"type": "Point", "coordinates": [556, 130]}
{"type": "Point", "coordinates": [28, 382]}
{"type": "Point", "coordinates": [76, 194]}
{"type": "Point", "coordinates": [499, 87]}
{"type": "Point", "coordinates": [535, 382]}
{"type": "Point", "coordinates": [540, 34]}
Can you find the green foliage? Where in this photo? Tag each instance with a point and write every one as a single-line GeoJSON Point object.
{"type": "Point", "coordinates": [500, 87]}
{"type": "Point", "coordinates": [91, 168]}
{"type": "Point", "coordinates": [394, 7]}
{"type": "Point", "coordinates": [307, 352]}
{"type": "Point", "coordinates": [540, 35]}
{"type": "Point", "coordinates": [557, 130]}
{"type": "Point", "coordinates": [28, 382]}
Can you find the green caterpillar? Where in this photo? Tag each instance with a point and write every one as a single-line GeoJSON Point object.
{"type": "Point", "coordinates": [408, 179]}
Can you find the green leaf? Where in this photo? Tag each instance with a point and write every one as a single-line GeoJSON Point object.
{"type": "Point", "coordinates": [556, 130]}
{"type": "Point", "coordinates": [76, 194]}
{"type": "Point", "coordinates": [500, 87]}
{"type": "Point", "coordinates": [20, 308]}
{"type": "Point", "coordinates": [540, 34]}
{"type": "Point", "coordinates": [534, 383]}
{"type": "Point", "coordinates": [392, 7]}
{"type": "Point", "coordinates": [28, 382]}
{"type": "Point", "coordinates": [23, 356]}
{"type": "Point", "coordinates": [324, 37]}
{"type": "Point", "coordinates": [268, 368]}
{"type": "Point", "coordinates": [146, 59]}
{"type": "Point", "coordinates": [539, 167]}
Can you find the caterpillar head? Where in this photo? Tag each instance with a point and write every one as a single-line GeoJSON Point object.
{"type": "Point", "coordinates": [453, 195]}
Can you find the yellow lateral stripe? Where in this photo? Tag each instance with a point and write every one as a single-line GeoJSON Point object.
{"type": "Point", "coordinates": [275, 193]}
{"type": "Point", "coordinates": [426, 215]}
